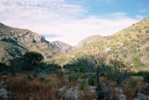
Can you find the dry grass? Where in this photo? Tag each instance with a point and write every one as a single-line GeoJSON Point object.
{"type": "Point", "coordinates": [19, 87]}
{"type": "Point", "coordinates": [22, 88]}
{"type": "Point", "coordinates": [132, 87]}
{"type": "Point", "coordinates": [86, 95]}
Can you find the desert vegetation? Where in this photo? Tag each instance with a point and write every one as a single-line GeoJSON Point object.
{"type": "Point", "coordinates": [111, 68]}
{"type": "Point", "coordinates": [86, 78]}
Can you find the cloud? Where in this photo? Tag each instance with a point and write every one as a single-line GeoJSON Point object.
{"type": "Point", "coordinates": [60, 20]}
{"type": "Point", "coordinates": [77, 30]}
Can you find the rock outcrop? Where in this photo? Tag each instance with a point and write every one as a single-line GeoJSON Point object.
{"type": "Point", "coordinates": [62, 46]}
{"type": "Point", "coordinates": [15, 41]}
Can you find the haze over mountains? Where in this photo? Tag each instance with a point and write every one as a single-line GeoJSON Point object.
{"type": "Point", "coordinates": [127, 45]}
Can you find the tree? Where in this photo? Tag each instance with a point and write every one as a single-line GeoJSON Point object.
{"type": "Point", "coordinates": [3, 67]}
{"type": "Point", "coordinates": [15, 65]}
{"type": "Point", "coordinates": [99, 60]}
{"type": "Point", "coordinates": [31, 60]}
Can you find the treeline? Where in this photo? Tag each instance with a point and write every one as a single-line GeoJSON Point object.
{"type": "Point", "coordinates": [30, 61]}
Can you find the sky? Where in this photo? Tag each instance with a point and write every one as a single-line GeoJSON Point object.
{"type": "Point", "coordinates": [71, 21]}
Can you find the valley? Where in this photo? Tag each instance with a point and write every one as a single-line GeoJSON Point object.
{"type": "Point", "coordinates": [114, 67]}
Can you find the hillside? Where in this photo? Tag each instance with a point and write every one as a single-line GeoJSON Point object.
{"type": "Point", "coordinates": [88, 40]}
{"type": "Point", "coordinates": [129, 46]}
{"type": "Point", "coordinates": [62, 46]}
{"type": "Point", "coordinates": [100, 69]}
{"type": "Point", "coordinates": [15, 41]}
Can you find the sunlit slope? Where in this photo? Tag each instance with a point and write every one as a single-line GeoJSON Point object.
{"type": "Point", "coordinates": [130, 45]}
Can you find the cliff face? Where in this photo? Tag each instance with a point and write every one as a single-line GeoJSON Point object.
{"type": "Point", "coordinates": [62, 46]}
{"type": "Point", "coordinates": [24, 40]}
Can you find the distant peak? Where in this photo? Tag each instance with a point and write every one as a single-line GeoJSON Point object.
{"type": "Point", "coordinates": [88, 40]}
{"type": "Point", "coordinates": [64, 47]}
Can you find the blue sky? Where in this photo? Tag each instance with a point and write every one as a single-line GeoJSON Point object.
{"type": "Point", "coordinates": [71, 21]}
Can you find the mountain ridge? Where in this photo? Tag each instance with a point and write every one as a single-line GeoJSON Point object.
{"type": "Point", "coordinates": [25, 39]}
{"type": "Point", "coordinates": [88, 40]}
{"type": "Point", "coordinates": [126, 45]}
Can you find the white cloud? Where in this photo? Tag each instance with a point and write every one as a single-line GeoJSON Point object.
{"type": "Point", "coordinates": [60, 20]}
{"type": "Point", "coordinates": [78, 29]}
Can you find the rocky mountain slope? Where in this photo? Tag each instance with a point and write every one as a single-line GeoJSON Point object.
{"type": "Point", "coordinates": [62, 46]}
{"type": "Point", "coordinates": [88, 40]}
{"type": "Point", "coordinates": [130, 46]}
{"type": "Point", "coordinates": [17, 41]}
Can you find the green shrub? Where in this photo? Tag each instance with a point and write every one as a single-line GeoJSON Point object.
{"type": "Point", "coordinates": [52, 68]}
{"type": "Point", "coordinates": [133, 81]}
{"type": "Point", "coordinates": [72, 78]}
{"type": "Point", "coordinates": [105, 70]}
{"type": "Point", "coordinates": [141, 73]}
{"type": "Point", "coordinates": [83, 85]}
{"type": "Point", "coordinates": [27, 77]}
{"type": "Point", "coordinates": [137, 62]}
{"type": "Point", "coordinates": [75, 68]}
{"type": "Point", "coordinates": [92, 80]}
{"type": "Point", "coordinates": [36, 72]}
{"type": "Point", "coordinates": [117, 76]}
{"type": "Point", "coordinates": [146, 77]}
{"type": "Point", "coordinates": [42, 79]}
{"type": "Point", "coordinates": [3, 67]}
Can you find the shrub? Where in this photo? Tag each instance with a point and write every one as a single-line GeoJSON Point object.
{"type": "Point", "coordinates": [118, 76]}
{"type": "Point", "coordinates": [27, 77]}
{"type": "Point", "coordinates": [92, 80]}
{"type": "Point", "coordinates": [132, 81]}
{"type": "Point", "coordinates": [75, 68]}
{"type": "Point", "coordinates": [105, 70]}
{"type": "Point", "coordinates": [3, 67]}
{"type": "Point", "coordinates": [137, 62]}
{"type": "Point", "coordinates": [53, 68]}
{"type": "Point", "coordinates": [60, 74]}
{"type": "Point", "coordinates": [146, 27]}
{"type": "Point", "coordinates": [83, 85]}
{"type": "Point", "coordinates": [35, 73]}
{"type": "Point", "coordinates": [146, 77]}
{"type": "Point", "coordinates": [72, 78]}
{"type": "Point", "coordinates": [141, 73]}
{"type": "Point", "coordinates": [43, 79]}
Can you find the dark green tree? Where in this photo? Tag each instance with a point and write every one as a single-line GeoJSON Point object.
{"type": "Point", "coordinates": [15, 65]}
{"type": "Point", "coordinates": [3, 67]}
{"type": "Point", "coordinates": [32, 60]}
